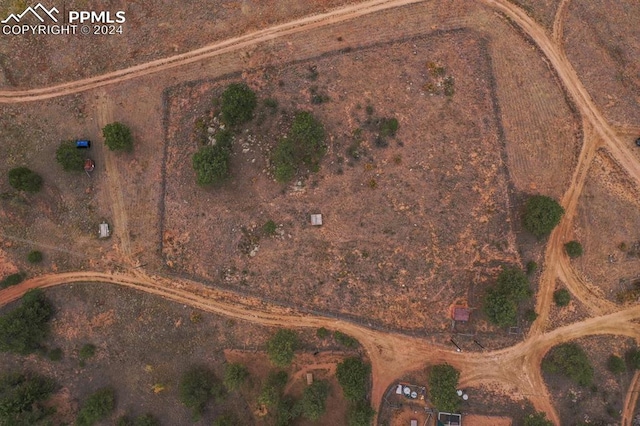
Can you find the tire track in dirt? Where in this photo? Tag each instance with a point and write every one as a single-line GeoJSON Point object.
{"type": "Point", "coordinates": [630, 400]}
{"type": "Point", "coordinates": [558, 23]}
{"type": "Point", "coordinates": [113, 182]}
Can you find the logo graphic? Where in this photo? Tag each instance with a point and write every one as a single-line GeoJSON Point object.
{"type": "Point", "coordinates": [39, 7]}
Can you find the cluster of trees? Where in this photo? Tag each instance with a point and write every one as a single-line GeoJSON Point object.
{"type": "Point", "coordinates": [23, 329]}
{"type": "Point", "coordinates": [22, 397]}
{"type": "Point", "coordinates": [197, 387]}
{"type": "Point", "coordinates": [353, 375]}
{"type": "Point", "coordinates": [97, 407]}
{"type": "Point", "coordinates": [443, 383]}
{"type": "Point", "coordinates": [281, 347]}
{"type": "Point", "coordinates": [502, 300]}
{"type": "Point", "coordinates": [304, 144]}
{"type": "Point", "coordinates": [570, 360]}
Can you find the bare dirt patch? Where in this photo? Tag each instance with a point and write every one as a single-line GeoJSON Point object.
{"type": "Point", "coordinates": [610, 236]}
{"type": "Point", "coordinates": [601, 40]}
{"type": "Point", "coordinates": [439, 188]}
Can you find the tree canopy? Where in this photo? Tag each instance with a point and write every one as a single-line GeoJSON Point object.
{"type": "Point", "coordinates": [23, 329]}
{"type": "Point", "coordinates": [21, 398]}
{"type": "Point", "coordinates": [541, 215]}
{"type": "Point", "coordinates": [312, 405]}
{"type": "Point", "coordinates": [573, 249]}
{"type": "Point", "coordinates": [97, 407]}
{"type": "Point", "coordinates": [570, 360]}
{"type": "Point", "coordinates": [117, 137]}
{"type": "Point", "coordinates": [238, 103]}
{"type": "Point", "coordinates": [281, 347]}
{"type": "Point", "coordinates": [24, 179]}
{"type": "Point", "coordinates": [211, 164]}
{"type": "Point", "coordinates": [501, 302]}
{"type": "Point", "coordinates": [443, 382]}
{"type": "Point", "coordinates": [353, 376]}
{"type": "Point", "coordinates": [197, 386]}
{"type": "Point", "coordinates": [235, 375]}
{"type": "Point", "coordinates": [70, 157]}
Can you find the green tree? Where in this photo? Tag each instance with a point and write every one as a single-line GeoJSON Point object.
{"type": "Point", "coordinates": [235, 375]}
{"type": "Point", "coordinates": [24, 179]}
{"type": "Point", "coordinates": [270, 228]}
{"type": "Point", "coordinates": [117, 137]}
{"type": "Point", "coordinates": [532, 267]}
{"type": "Point", "coordinates": [570, 360]}
{"type": "Point", "coordinates": [86, 351]}
{"type": "Point", "coordinates": [22, 397]}
{"type": "Point", "coordinates": [238, 103]}
{"type": "Point", "coordinates": [197, 386]}
{"type": "Point", "coordinates": [360, 414]}
{"type": "Point", "coordinates": [573, 249]}
{"type": "Point", "coordinates": [443, 381]}
{"type": "Point", "coordinates": [312, 405]}
{"type": "Point", "coordinates": [272, 389]}
{"type": "Point", "coordinates": [322, 333]}
{"type": "Point", "coordinates": [97, 407]}
{"type": "Point", "coordinates": [211, 164]}
{"type": "Point", "coordinates": [514, 283]}
{"type": "Point", "coordinates": [70, 157]}
{"type": "Point", "coordinates": [616, 365]}
{"type": "Point", "coordinates": [388, 127]}
{"type": "Point", "coordinates": [24, 328]}
{"type": "Point", "coordinates": [34, 256]}
{"type": "Point", "coordinates": [537, 419]}
{"type": "Point", "coordinates": [633, 358]}
{"type": "Point", "coordinates": [353, 376]}
{"type": "Point", "coordinates": [562, 297]}
{"type": "Point", "coordinates": [344, 339]}
{"type": "Point", "coordinates": [11, 280]}
{"type": "Point", "coordinates": [541, 215]}
{"type": "Point", "coordinates": [281, 347]}
{"type": "Point", "coordinates": [500, 308]}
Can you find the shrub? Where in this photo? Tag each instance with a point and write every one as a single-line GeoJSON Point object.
{"type": "Point", "coordinates": [501, 302]}
{"type": "Point", "coordinates": [272, 389]}
{"type": "Point", "coordinates": [322, 333]}
{"type": "Point", "coordinates": [573, 249]}
{"type": "Point", "coordinates": [197, 386]}
{"type": "Point", "coordinates": [70, 157]}
{"type": "Point", "coordinates": [537, 419]}
{"type": "Point", "coordinates": [532, 267]}
{"type": "Point", "coordinates": [449, 86]}
{"type": "Point", "coordinates": [211, 164]}
{"type": "Point", "coordinates": [23, 179]}
{"type": "Point", "coordinates": [353, 376]}
{"type": "Point", "coordinates": [21, 398]}
{"type": "Point", "coordinates": [235, 375]}
{"type": "Point", "coordinates": [97, 407]}
{"type": "Point", "coordinates": [616, 365]}
{"type": "Point", "coordinates": [530, 315]}
{"type": "Point", "coordinates": [514, 283]}
{"type": "Point", "coordinates": [633, 358]}
{"type": "Point", "coordinates": [360, 414]}
{"type": "Point", "coordinates": [226, 419]}
{"type": "Point", "coordinates": [11, 280]}
{"type": "Point", "coordinates": [271, 103]}
{"type": "Point", "coordinates": [270, 228]}
{"type": "Point", "coordinates": [117, 137]}
{"type": "Point", "coordinates": [238, 103]}
{"type": "Point", "coordinates": [146, 420]}
{"type": "Point", "coordinates": [541, 215]}
{"type": "Point", "coordinates": [23, 329]}
{"type": "Point", "coordinates": [281, 347]}
{"type": "Point", "coordinates": [562, 297]}
{"type": "Point", "coordinates": [312, 404]}
{"type": "Point", "coordinates": [224, 138]}
{"type": "Point", "coordinates": [571, 361]}
{"type": "Point", "coordinates": [443, 381]}
{"type": "Point", "coordinates": [55, 354]}
{"type": "Point", "coordinates": [345, 340]}
{"type": "Point", "coordinates": [87, 351]}
{"type": "Point", "coordinates": [388, 127]}
{"type": "Point", "coordinates": [34, 256]}
{"type": "Point", "coordinates": [285, 412]}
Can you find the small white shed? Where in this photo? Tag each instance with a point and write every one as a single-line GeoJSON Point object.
{"type": "Point", "coordinates": [104, 230]}
{"type": "Point", "coordinates": [316, 219]}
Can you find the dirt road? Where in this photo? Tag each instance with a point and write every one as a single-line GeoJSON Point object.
{"type": "Point", "coordinates": [516, 368]}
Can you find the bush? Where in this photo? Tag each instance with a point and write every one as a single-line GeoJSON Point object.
{"type": "Point", "coordinates": [211, 164]}
{"type": "Point", "coordinates": [272, 389]}
{"type": "Point", "coordinates": [344, 339]}
{"type": "Point", "coordinates": [238, 103]}
{"type": "Point", "coordinates": [537, 419]}
{"type": "Point", "coordinates": [24, 328]}
{"type": "Point", "coordinates": [34, 256]}
{"type": "Point", "coordinates": [97, 407]}
{"type": "Point", "coordinates": [70, 157]}
{"type": "Point", "coordinates": [281, 347]}
{"type": "Point", "coordinates": [530, 315]}
{"type": "Point", "coordinates": [616, 365]}
{"type": "Point", "coordinates": [573, 249]}
{"type": "Point", "coordinates": [541, 215]}
{"type": "Point", "coordinates": [501, 302]}
{"type": "Point", "coordinates": [270, 228]}
{"type": "Point", "coordinates": [532, 267]}
{"type": "Point", "coordinates": [388, 127]}
{"type": "Point", "coordinates": [322, 333]}
{"type": "Point", "coordinates": [353, 376]}
{"type": "Point", "coordinates": [285, 412]}
{"type": "Point", "coordinates": [55, 354]}
{"type": "Point", "coordinates": [312, 404]}
{"type": "Point", "coordinates": [562, 297]}
{"type": "Point", "coordinates": [571, 361]}
{"type": "Point", "coordinates": [443, 381]}
{"type": "Point", "coordinates": [197, 386]}
{"type": "Point", "coordinates": [146, 420]}
{"type": "Point", "coordinates": [360, 414]}
{"type": "Point", "coordinates": [23, 179]}
{"type": "Point", "coordinates": [21, 398]}
{"type": "Point", "coordinates": [514, 283]}
{"type": "Point", "coordinates": [117, 137]}
{"type": "Point", "coordinates": [11, 280]}
{"type": "Point", "coordinates": [633, 358]}
{"type": "Point", "coordinates": [235, 375]}
{"type": "Point", "coordinates": [87, 351]}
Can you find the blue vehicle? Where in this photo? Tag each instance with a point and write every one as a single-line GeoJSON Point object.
{"type": "Point", "coordinates": [83, 144]}
{"type": "Point", "coordinates": [638, 141]}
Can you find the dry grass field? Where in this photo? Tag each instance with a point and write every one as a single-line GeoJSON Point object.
{"type": "Point", "coordinates": [542, 11]}
{"type": "Point", "coordinates": [601, 40]}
